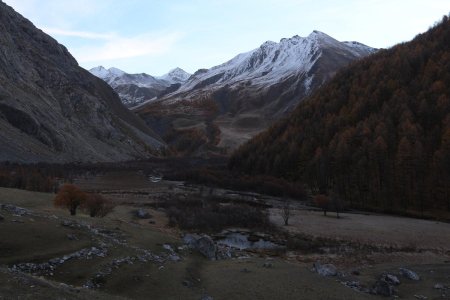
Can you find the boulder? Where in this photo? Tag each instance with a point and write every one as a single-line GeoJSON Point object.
{"type": "Point", "coordinates": [383, 288]}
{"type": "Point", "coordinates": [191, 240]}
{"type": "Point", "coordinates": [207, 247]}
{"type": "Point", "coordinates": [439, 286]}
{"type": "Point", "coordinates": [325, 270]}
{"type": "Point", "coordinates": [409, 274]}
{"type": "Point", "coordinates": [142, 214]}
{"type": "Point", "coordinates": [391, 279]}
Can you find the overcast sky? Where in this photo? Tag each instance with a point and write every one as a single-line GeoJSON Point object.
{"type": "Point", "coordinates": [154, 36]}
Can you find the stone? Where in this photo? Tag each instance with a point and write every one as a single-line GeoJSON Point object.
{"type": "Point", "coordinates": [439, 286]}
{"type": "Point", "coordinates": [391, 279]}
{"type": "Point", "coordinates": [191, 240]}
{"type": "Point", "coordinates": [383, 288]}
{"type": "Point", "coordinates": [2, 218]}
{"type": "Point", "coordinates": [409, 274]}
{"type": "Point", "coordinates": [325, 270]}
{"type": "Point", "coordinates": [142, 214]}
{"type": "Point", "coordinates": [207, 247]}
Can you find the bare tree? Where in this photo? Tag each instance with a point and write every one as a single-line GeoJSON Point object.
{"type": "Point", "coordinates": [286, 211]}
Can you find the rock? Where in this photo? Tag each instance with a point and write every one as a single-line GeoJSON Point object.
{"type": "Point", "coordinates": [207, 247]}
{"type": "Point", "coordinates": [383, 288]}
{"type": "Point", "coordinates": [174, 257]}
{"type": "Point", "coordinates": [2, 218]}
{"type": "Point", "coordinates": [391, 279]}
{"type": "Point", "coordinates": [72, 237]}
{"type": "Point", "coordinates": [191, 240]}
{"type": "Point", "coordinates": [409, 274]}
{"type": "Point", "coordinates": [206, 297]}
{"type": "Point", "coordinates": [422, 297]}
{"type": "Point", "coordinates": [439, 286]}
{"type": "Point", "coordinates": [245, 270]}
{"type": "Point", "coordinates": [267, 265]}
{"type": "Point", "coordinates": [325, 270]}
{"type": "Point", "coordinates": [142, 214]}
{"type": "Point", "coordinates": [188, 283]}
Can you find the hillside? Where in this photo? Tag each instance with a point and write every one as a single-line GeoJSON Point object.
{"type": "Point", "coordinates": [53, 110]}
{"type": "Point", "coordinates": [377, 135]}
{"type": "Point", "coordinates": [218, 109]}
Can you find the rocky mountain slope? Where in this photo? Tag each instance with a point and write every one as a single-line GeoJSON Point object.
{"type": "Point", "coordinates": [53, 110]}
{"type": "Point", "coordinates": [224, 106]}
{"type": "Point", "coordinates": [378, 135]}
{"type": "Point", "coordinates": [135, 89]}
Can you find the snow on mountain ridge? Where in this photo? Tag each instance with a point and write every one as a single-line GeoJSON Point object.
{"type": "Point", "coordinates": [272, 62]}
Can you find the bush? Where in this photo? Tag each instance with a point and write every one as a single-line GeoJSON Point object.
{"type": "Point", "coordinates": [323, 202]}
{"type": "Point", "coordinates": [97, 206]}
{"type": "Point", "coordinates": [208, 215]}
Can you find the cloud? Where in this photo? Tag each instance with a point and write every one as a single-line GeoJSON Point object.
{"type": "Point", "coordinates": [79, 34]}
{"type": "Point", "coordinates": [113, 47]}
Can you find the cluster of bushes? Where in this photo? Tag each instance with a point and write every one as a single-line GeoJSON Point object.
{"type": "Point", "coordinates": [209, 214]}
{"type": "Point", "coordinates": [71, 197]}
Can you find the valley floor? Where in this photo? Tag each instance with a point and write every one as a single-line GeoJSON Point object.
{"type": "Point", "coordinates": [47, 254]}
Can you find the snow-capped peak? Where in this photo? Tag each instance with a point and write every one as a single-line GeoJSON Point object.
{"type": "Point", "coordinates": [272, 62]}
{"type": "Point", "coordinates": [176, 75]}
{"type": "Point", "coordinates": [106, 74]}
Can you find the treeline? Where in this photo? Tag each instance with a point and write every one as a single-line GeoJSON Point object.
{"type": "Point", "coordinates": [378, 135]}
{"type": "Point", "coordinates": [217, 176]}
{"type": "Point", "coordinates": [43, 177]}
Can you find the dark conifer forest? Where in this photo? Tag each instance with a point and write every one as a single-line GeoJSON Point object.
{"type": "Point", "coordinates": [377, 136]}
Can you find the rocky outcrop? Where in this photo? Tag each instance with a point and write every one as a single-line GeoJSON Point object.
{"type": "Point", "coordinates": [53, 110]}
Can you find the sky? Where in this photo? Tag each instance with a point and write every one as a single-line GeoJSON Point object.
{"type": "Point", "coordinates": [155, 36]}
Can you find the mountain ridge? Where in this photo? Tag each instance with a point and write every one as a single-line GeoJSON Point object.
{"type": "Point", "coordinates": [225, 105]}
{"type": "Point", "coordinates": [135, 89]}
{"type": "Point", "coordinates": [53, 110]}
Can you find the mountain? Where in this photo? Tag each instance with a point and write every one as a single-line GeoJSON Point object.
{"type": "Point", "coordinates": [135, 89]}
{"type": "Point", "coordinates": [175, 76]}
{"type": "Point", "coordinates": [222, 107]}
{"type": "Point", "coordinates": [53, 110]}
{"type": "Point", "coordinates": [377, 135]}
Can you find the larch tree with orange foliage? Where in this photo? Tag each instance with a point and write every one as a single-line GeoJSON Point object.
{"type": "Point", "coordinates": [70, 197]}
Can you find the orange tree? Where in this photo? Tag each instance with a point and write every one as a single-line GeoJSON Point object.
{"type": "Point", "coordinates": [70, 197]}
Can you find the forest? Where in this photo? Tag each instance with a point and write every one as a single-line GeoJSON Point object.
{"type": "Point", "coordinates": [377, 136]}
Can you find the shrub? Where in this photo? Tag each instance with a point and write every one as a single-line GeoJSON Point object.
{"type": "Point", "coordinates": [323, 202]}
{"type": "Point", "coordinates": [97, 206]}
{"type": "Point", "coordinates": [209, 215]}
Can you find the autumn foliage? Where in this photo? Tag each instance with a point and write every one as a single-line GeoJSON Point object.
{"type": "Point", "coordinates": [323, 202]}
{"type": "Point", "coordinates": [97, 206]}
{"type": "Point", "coordinates": [70, 197]}
{"type": "Point", "coordinates": [378, 134]}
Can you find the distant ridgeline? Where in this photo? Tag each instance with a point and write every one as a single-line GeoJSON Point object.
{"type": "Point", "coordinates": [378, 135]}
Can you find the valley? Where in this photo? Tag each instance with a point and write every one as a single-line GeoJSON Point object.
{"type": "Point", "coordinates": [309, 168]}
{"type": "Point", "coordinates": [135, 256]}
